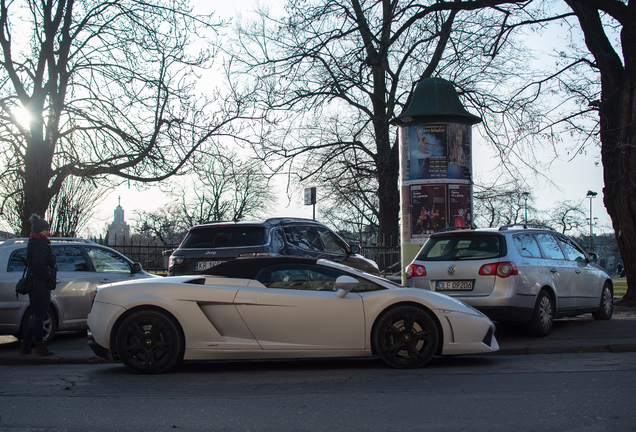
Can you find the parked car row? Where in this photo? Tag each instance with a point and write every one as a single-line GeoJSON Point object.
{"type": "Point", "coordinates": [290, 288]}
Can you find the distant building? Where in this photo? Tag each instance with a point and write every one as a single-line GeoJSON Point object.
{"type": "Point", "coordinates": [118, 231]}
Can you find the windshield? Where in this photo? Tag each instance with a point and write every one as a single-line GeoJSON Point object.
{"type": "Point", "coordinates": [225, 236]}
{"type": "Point", "coordinates": [473, 247]}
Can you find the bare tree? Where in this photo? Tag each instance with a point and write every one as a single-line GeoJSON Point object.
{"type": "Point", "coordinates": [226, 189]}
{"type": "Point", "coordinates": [109, 90]}
{"type": "Point", "coordinates": [502, 203]}
{"type": "Point", "coordinates": [73, 206]}
{"type": "Point", "coordinates": [163, 224]}
{"type": "Point", "coordinates": [568, 216]}
{"type": "Point", "coordinates": [338, 70]}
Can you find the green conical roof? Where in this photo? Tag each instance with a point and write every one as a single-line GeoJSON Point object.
{"type": "Point", "coordinates": [435, 100]}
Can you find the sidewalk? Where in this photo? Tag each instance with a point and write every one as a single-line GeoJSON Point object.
{"type": "Point", "coordinates": [569, 335]}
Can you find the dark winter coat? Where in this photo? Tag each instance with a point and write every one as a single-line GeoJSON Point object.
{"type": "Point", "coordinates": [41, 262]}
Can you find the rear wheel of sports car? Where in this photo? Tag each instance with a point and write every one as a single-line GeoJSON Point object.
{"type": "Point", "coordinates": [149, 342]}
{"type": "Point", "coordinates": [543, 316]}
{"type": "Point", "coordinates": [406, 337]}
{"type": "Point", "coordinates": [607, 304]}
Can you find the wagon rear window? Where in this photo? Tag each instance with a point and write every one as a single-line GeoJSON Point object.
{"type": "Point", "coordinates": [461, 248]}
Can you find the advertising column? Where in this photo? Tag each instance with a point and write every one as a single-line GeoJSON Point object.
{"type": "Point", "coordinates": [435, 165]}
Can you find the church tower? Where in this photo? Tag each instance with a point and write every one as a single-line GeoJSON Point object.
{"type": "Point", "coordinates": [118, 231]}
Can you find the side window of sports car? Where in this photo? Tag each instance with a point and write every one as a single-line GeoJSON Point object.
{"type": "Point", "coordinates": [308, 277]}
{"type": "Point", "coordinates": [69, 258]}
{"type": "Point", "coordinates": [17, 261]}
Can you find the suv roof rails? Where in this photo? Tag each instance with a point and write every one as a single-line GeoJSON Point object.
{"type": "Point", "coordinates": [53, 239]}
{"type": "Point", "coordinates": [456, 228]}
{"type": "Point", "coordinates": [525, 226]}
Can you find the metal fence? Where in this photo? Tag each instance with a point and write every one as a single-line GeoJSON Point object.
{"type": "Point", "coordinates": [154, 258]}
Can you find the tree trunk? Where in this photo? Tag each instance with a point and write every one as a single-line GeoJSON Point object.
{"type": "Point", "coordinates": [389, 198]}
{"type": "Point", "coordinates": [618, 138]}
{"type": "Point", "coordinates": [37, 175]}
{"type": "Point", "coordinates": [617, 126]}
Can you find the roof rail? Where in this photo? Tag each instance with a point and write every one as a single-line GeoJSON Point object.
{"type": "Point", "coordinates": [53, 239]}
{"type": "Point", "coordinates": [525, 226]}
{"type": "Point", "coordinates": [456, 228]}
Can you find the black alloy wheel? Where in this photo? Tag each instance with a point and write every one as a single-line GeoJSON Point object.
{"type": "Point", "coordinates": [406, 337]}
{"type": "Point", "coordinates": [149, 342]}
{"type": "Point", "coordinates": [606, 309]}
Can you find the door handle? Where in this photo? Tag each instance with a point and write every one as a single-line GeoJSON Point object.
{"type": "Point", "coordinates": [105, 280]}
{"type": "Point", "coordinates": [578, 271]}
{"type": "Point", "coordinates": [553, 270]}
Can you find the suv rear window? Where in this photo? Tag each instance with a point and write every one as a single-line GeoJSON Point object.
{"type": "Point", "coordinates": [225, 236]}
{"type": "Point", "coordinates": [461, 248]}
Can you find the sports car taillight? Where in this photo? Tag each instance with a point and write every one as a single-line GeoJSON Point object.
{"type": "Point", "coordinates": [414, 270]}
{"type": "Point", "coordinates": [502, 269]}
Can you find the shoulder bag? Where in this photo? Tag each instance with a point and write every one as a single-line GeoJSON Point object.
{"type": "Point", "coordinates": [25, 284]}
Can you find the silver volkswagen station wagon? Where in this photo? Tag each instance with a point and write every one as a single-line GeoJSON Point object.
{"type": "Point", "coordinates": [524, 273]}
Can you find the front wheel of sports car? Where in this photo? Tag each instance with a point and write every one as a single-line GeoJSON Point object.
{"type": "Point", "coordinates": [406, 337]}
{"type": "Point", "coordinates": [149, 342]}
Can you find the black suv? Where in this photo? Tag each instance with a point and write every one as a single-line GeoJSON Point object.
{"type": "Point", "coordinates": [212, 243]}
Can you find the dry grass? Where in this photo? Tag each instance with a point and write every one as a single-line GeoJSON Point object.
{"type": "Point", "coordinates": [620, 286]}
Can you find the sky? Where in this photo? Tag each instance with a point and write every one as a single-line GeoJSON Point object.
{"type": "Point", "coordinates": [571, 178]}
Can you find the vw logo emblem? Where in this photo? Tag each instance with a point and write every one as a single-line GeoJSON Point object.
{"type": "Point", "coordinates": [451, 270]}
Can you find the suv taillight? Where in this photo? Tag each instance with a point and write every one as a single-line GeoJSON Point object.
{"type": "Point", "coordinates": [502, 269]}
{"type": "Point", "coordinates": [175, 260]}
{"type": "Point", "coordinates": [414, 270]}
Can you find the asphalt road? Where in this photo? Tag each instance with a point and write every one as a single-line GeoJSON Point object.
{"type": "Point", "coordinates": [559, 392]}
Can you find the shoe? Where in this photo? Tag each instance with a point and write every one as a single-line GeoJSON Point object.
{"type": "Point", "coordinates": [41, 351]}
{"type": "Point", "coordinates": [25, 348]}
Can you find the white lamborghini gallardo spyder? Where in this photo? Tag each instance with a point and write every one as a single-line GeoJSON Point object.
{"type": "Point", "coordinates": [280, 307]}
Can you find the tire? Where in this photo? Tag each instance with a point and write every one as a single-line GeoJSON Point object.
{"type": "Point", "coordinates": [406, 337]}
{"type": "Point", "coordinates": [50, 325]}
{"type": "Point", "coordinates": [149, 342]}
{"type": "Point", "coordinates": [606, 309]}
{"type": "Point", "coordinates": [543, 316]}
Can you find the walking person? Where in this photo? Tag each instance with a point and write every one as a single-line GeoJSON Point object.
{"type": "Point", "coordinates": [40, 262]}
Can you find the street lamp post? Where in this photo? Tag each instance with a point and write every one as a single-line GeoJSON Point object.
{"type": "Point", "coordinates": [591, 195]}
{"type": "Point", "coordinates": [525, 199]}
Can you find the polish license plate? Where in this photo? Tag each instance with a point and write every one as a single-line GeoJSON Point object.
{"type": "Point", "coordinates": [204, 265]}
{"type": "Point", "coordinates": [454, 285]}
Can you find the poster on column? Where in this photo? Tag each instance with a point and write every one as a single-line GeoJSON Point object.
{"type": "Point", "coordinates": [428, 210]}
{"type": "Point", "coordinates": [427, 152]}
{"type": "Point", "coordinates": [459, 155]}
{"type": "Point", "coordinates": [459, 205]}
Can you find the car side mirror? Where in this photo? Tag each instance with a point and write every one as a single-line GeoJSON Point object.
{"type": "Point", "coordinates": [355, 249]}
{"type": "Point", "coordinates": [592, 257]}
{"type": "Point", "coordinates": [137, 268]}
{"type": "Point", "coordinates": [344, 284]}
